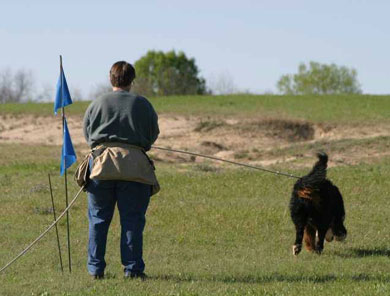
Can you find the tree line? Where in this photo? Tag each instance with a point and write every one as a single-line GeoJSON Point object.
{"type": "Point", "coordinates": [321, 79]}
{"type": "Point", "coordinates": [15, 86]}
{"type": "Point", "coordinates": [161, 73]}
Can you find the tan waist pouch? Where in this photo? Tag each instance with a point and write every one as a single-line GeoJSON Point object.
{"type": "Point", "coordinates": [81, 175]}
{"type": "Point", "coordinates": [125, 163]}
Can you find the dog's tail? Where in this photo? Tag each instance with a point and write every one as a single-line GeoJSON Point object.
{"type": "Point", "coordinates": [318, 173]}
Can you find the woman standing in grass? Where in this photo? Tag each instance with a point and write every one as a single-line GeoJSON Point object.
{"type": "Point", "coordinates": [120, 126]}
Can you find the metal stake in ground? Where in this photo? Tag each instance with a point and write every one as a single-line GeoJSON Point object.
{"type": "Point", "coordinates": [66, 177]}
{"type": "Point", "coordinates": [55, 218]}
{"type": "Point", "coordinates": [43, 233]}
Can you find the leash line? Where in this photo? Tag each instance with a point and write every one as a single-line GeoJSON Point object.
{"type": "Point", "coordinates": [228, 161]}
{"type": "Point", "coordinates": [154, 147]}
{"type": "Point", "coordinates": [43, 233]}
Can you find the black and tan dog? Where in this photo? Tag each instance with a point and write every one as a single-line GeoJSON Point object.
{"type": "Point", "coordinates": [317, 207]}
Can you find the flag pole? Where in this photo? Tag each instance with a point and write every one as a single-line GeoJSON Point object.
{"type": "Point", "coordinates": [66, 177]}
{"type": "Point", "coordinates": [55, 218]}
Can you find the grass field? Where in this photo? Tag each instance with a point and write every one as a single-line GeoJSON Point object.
{"type": "Point", "coordinates": [348, 108]}
{"type": "Point", "coordinates": [212, 230]}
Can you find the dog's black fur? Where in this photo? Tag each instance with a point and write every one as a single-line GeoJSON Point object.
{"type": "Point", "coordinates": [316, 206]}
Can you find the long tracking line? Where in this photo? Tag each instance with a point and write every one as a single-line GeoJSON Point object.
{"type": "Point", "coordinates": [154, 147]}
{"type": "Point", "coordinates": [227, 161]}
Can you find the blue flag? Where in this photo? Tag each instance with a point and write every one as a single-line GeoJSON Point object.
{"type": "Point", "coordinates": [68, 156]}
{"type": "Point", "coordinates": [62, 93]}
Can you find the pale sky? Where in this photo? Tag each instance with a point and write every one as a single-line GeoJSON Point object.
{"type": "Point", "coordinates": [252, 42]}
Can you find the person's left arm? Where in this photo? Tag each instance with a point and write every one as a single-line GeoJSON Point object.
{"type": "Point", "coordinates": [154, 129]}
{"type": "Point", "coordinates": [86, 125]}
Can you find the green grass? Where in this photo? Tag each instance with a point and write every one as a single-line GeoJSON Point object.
{"type": "Point", "coordinates": [222, 231]}
{"type": "Point", "coordinates": [341, 108]}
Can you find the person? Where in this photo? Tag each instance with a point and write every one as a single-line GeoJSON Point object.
{"type": "Point", "coordinates": [120, 127]}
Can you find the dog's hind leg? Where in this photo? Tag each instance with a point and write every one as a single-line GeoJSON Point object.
{"type": "Point", "coordinates": [321, 238]}
{"type": "Point", "coordinates": [297, 247]}
{"type": "Point", "coordinates": [309, 237]}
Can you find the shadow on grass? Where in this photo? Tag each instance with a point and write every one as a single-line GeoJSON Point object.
{"type": "Point", "coordinates": [364, 252]}
{"type": "Point", "coordinates": [272, 278]}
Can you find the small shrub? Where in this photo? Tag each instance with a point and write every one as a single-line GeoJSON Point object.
{"type": "Point", "coordinates": [208, 125]}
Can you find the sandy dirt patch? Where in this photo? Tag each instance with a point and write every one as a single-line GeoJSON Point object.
{"type": "Point", "coordinates": [229, 138]}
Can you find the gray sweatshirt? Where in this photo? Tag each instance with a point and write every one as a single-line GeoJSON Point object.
{"type": "Point", "coordinates": [121, 116]}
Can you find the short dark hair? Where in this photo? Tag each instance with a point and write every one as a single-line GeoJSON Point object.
{"type": "Point", "coordinates": [122, 74]}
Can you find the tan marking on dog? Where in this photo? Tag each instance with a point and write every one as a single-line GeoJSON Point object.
{"type": "Point", "coordinates": [305, 193]}
{"type": "Point", "coordinates": [309, 237]}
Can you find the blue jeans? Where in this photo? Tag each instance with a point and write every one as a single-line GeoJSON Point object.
{"type": "Point", "coordinates": [133, 200]}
